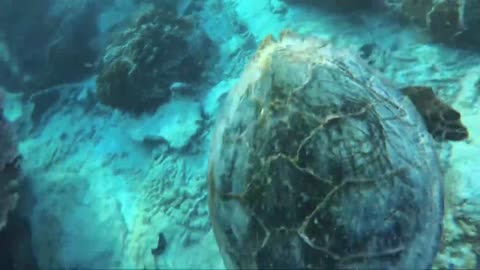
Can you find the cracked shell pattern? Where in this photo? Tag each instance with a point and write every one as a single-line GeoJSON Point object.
{"type": "Point", "coordinates": [317, 162]}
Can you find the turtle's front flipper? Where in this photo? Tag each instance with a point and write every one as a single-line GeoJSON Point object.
{"type": "Point", "coordinates": [442, 121]}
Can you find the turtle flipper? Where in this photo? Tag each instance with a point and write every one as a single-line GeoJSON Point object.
{"type": "Point", "coordinates": [442, 121]}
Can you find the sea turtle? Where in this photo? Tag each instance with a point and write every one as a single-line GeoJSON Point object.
{"type": "Point", "coordinates": [317, 162]}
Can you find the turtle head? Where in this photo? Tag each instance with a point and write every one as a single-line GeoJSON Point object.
{"type": "Point", "coordinates": [442, 121]}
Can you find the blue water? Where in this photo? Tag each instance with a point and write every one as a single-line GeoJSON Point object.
{"type": "Point", "coordinates": [109, 109]}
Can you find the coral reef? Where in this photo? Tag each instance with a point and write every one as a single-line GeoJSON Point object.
{"type": "Point", "coordinates": [446, 20]}
{"type": "Point", "coordinates": [52, 42]}
{"type": "Point", "coordinates": [144, 62]}
{"type": "Point", "coordinates": [9, 170]}
{"type": "Point", "coordinates": [135, 178]}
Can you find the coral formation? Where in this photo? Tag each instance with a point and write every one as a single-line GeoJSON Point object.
{"type": "Point", "coordinates": [107, 188]}
{"type": "Point", "coordinates": [145, 60]}
{"type": "Point", "coordinates": [9, 170]}
{"type": "Point", "coordinates": [446, 20]}
{"type": "Point", "coordinates": [51, 42]}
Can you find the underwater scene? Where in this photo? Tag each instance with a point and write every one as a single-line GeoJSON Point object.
{"type": "Point", "coordinates": [239, 134]}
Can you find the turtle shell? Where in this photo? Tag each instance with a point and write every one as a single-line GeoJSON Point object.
{"type": "Point", "coordinates": [318, 162]}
